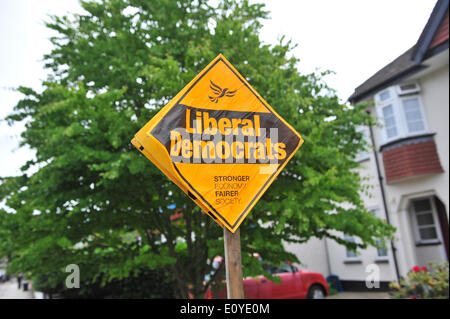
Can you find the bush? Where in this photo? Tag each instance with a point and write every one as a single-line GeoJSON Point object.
{"type": "Point", "coordinates": [423, 283]}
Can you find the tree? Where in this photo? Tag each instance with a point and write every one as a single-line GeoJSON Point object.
{"type": "Point", "coordinates": [91, 199]}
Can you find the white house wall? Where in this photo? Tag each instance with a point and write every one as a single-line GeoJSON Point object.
{"type": "Point", "coordinates": [435, 97]}
{"type": "Point", "coordinates": [312, 255]}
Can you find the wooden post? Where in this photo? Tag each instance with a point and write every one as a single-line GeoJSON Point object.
{"type": "Point", "coordinates": [233, 264]}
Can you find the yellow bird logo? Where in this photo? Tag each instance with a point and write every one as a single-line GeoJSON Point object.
{"type": "Point", "coordinates": [218, 92]}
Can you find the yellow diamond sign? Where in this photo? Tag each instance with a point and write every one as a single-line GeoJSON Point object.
{"type": "Point", "coordinates": [220, 142]}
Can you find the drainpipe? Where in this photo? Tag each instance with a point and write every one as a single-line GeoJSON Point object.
{"type": "Point", "coordinates": [383, 196]}
{"type": "Point", "coordinates": [327, 255]}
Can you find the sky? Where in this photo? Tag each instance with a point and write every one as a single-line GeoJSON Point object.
{"type": "Point", "coordinates": [353, 38]}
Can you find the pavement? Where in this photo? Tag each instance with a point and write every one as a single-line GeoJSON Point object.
{"type": "Point", "coordinates": [360, 295]}
{"type": "Point", "coordinates": [9, 290]}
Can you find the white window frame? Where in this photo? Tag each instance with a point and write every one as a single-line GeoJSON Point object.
{"type": "Point", "coordinates": [399, 114]}
{"type": "Point", "coordinates": [436, 223]}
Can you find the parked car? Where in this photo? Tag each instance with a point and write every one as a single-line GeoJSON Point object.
{"type": "Point", "coordinates": [295, 284]}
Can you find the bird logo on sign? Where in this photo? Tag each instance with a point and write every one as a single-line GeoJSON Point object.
{"type": "Point", "coordinates": [218, 92]}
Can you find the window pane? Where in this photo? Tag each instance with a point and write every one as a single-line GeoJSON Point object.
{"type": "Point", "coordinates": [364, 152]}
{"type": "Point", "coordinates": [407, 87]}
{"type": "Point", "coordinates": [388, 111]}
{"type": "Point", "coordinates": [422, 205]}
{"type": "Point", "coordinates": [413, 115]}
{"type": "Point", "coordinates": [382, 252]}
{"type": "Point", "coordinates": [425, 219]}
{"type": "Point", "coordinates": [391, 132]}
{"type": "Point", "coordinates": [389, 121]}
{"type": "Point", "coordinates": [348, 252]}
{"type": "Point", "coordinates": [384, 95]}
{"type": "Point", "coordinates": [415, 127]}
{"type": "Point", "coordinates": [376, 212]}
{"type": "Point", "coordinates": [428, 233]}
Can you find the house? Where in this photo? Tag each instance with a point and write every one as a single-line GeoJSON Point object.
{"type": "Point", "coordinates": [407, 167]}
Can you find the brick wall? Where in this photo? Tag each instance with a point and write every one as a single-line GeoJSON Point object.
{"type": "Point", "coordinates": [411, 159]}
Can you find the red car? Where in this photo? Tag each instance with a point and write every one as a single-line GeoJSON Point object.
{"type": "Point", "coordinates": [295, 284]}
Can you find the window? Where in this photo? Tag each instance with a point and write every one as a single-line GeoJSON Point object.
{"type": "Point", "coordinates": [413, 115]}
{"type": "Point", "coordinates": [401, 115]}
{"type": "Point", "coordinates": [363, 154]}
{"type": "Point", "coordinates": [381, 252]}
{"type": "Point", "coordinates": [425, 222]}
{"type": "Point", "coordinates": [385, 95]}
{"type": "Point", "coordinates": [389, 121]}
{"type": "Point", "coordinates": [285, 267]}
{"type": "Point", "coordinates": [349, 253]}
{"type": "Point", "coordinates": [405, 89]}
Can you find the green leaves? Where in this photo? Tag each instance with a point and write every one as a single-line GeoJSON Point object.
{"type": "Point", "coordinates": [63, 242]}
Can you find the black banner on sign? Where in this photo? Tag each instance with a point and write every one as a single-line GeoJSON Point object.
{"type": "Point", "coordinates": [204, 136]}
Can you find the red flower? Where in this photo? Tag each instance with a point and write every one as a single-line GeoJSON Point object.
{"type": "Point", "coordinates": [416, 269]}
{"type": "Point", "coordinates": [424, 269]}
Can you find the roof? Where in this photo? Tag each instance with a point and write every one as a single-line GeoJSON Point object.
{"type": "Point", "coordinates": [394, 71]}
{"type": "Point", "coordinates": [410, 61]}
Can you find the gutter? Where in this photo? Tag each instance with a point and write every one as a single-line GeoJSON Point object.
{"type": "Point", "coordinates": [383, 197]}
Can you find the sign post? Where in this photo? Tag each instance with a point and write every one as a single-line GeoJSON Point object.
{"type": "Point", "coordinates": [223, 145]}
{"type": "Point", "coordinates": [233, 264]}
